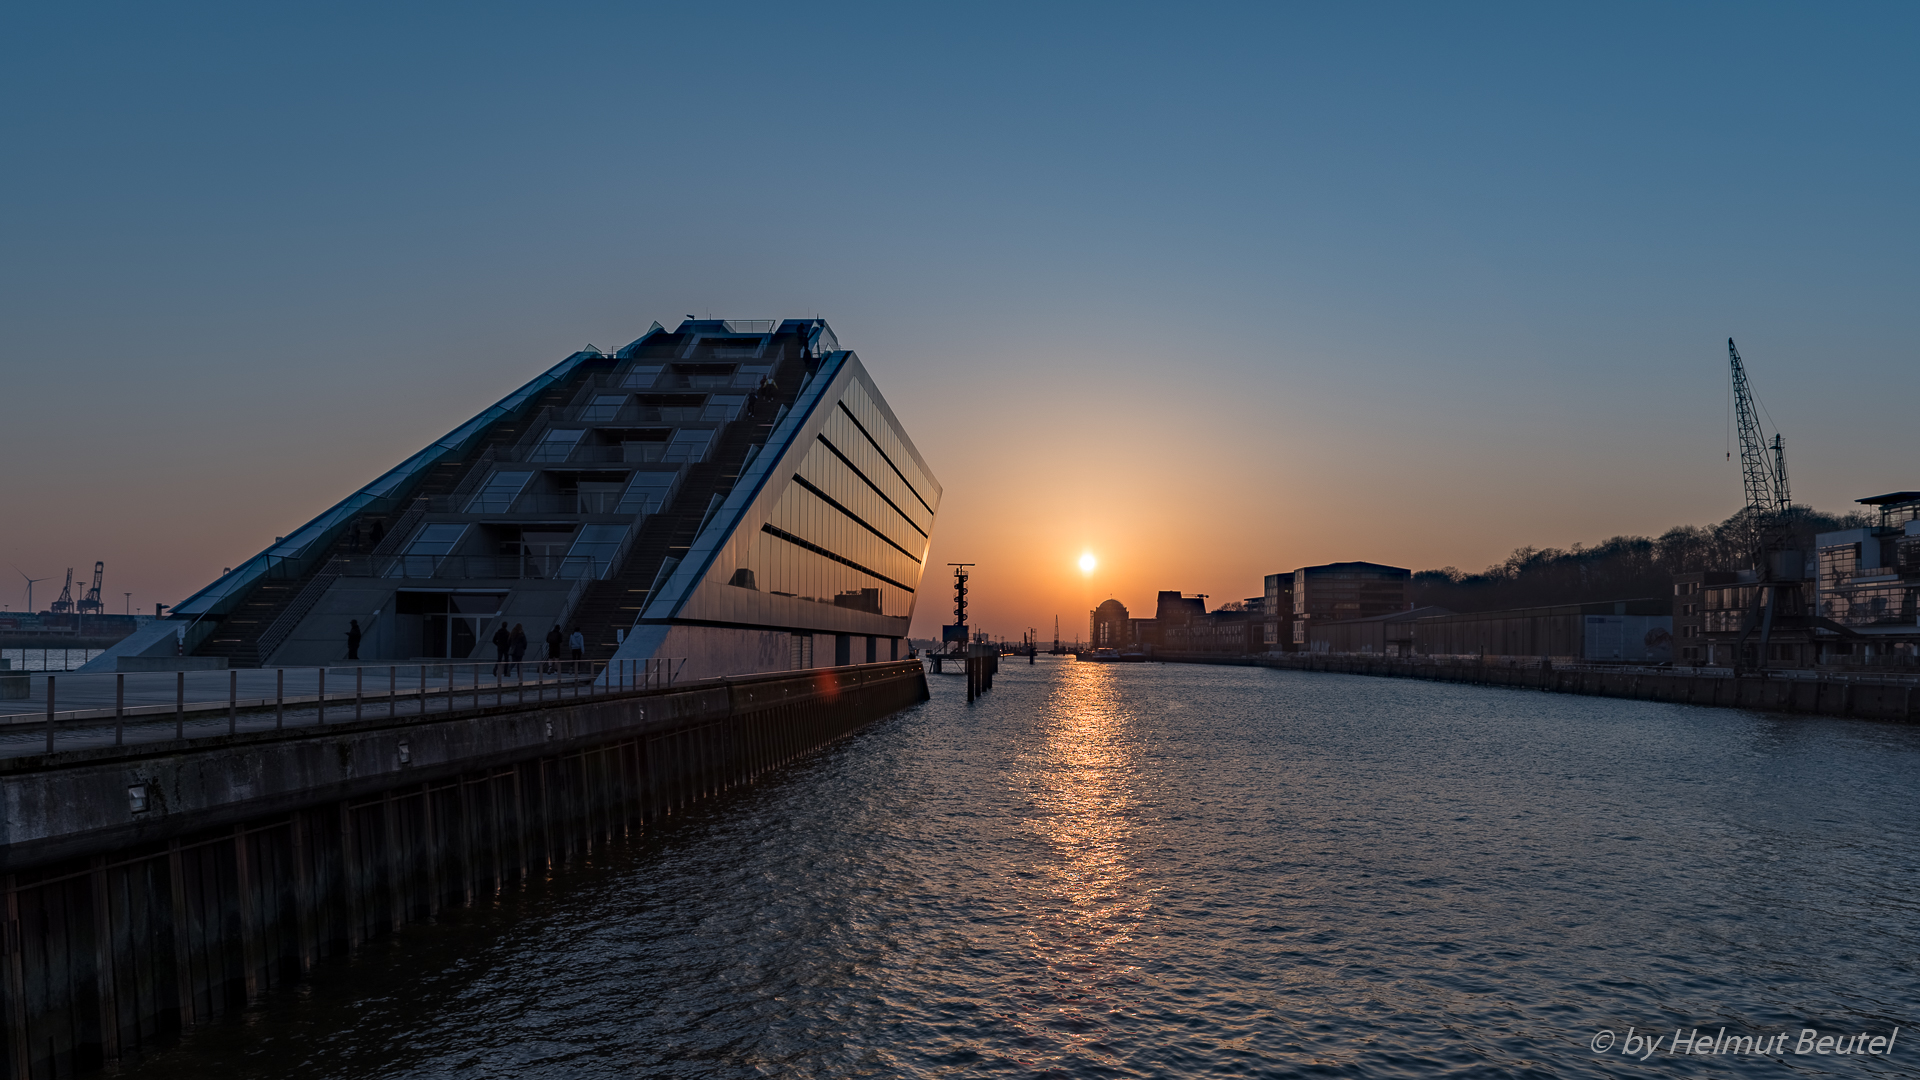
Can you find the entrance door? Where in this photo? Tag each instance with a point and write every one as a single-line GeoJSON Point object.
{"type": "Point", "coordinates": [450, 622]}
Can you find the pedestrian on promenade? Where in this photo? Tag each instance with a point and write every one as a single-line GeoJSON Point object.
{"type": "Point", "coordinates": [353, 639]}
{"type": "Point", "coordinates": [502, 647]}
{"type": "Point", "coordinates": [555, 642]}
{"type": "Point", "coordinates": [578, 643]}
{"type": "Point", "coordinates": [519, 647]}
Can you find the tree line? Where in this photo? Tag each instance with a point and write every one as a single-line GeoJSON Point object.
{"type": "Point", "coordinates": [1621, 568]}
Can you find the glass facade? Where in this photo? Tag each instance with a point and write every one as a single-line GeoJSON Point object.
{"type": "Point", "coordinates": [1881, 591]}
{"type": "Point", "coordinates": [851, 530]}
{"type": "Point", "coordinates": [828, 528]}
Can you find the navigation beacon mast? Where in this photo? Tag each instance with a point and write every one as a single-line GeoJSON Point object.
{"type": "Point", "coordinates": [958, 631]}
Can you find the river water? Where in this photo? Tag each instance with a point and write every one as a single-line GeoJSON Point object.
{"type": "Point", "coordinates": [1171, 871]}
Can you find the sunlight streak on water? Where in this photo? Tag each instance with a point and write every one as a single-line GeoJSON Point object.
{"type": "Point", "coordinates": [1167, 871]}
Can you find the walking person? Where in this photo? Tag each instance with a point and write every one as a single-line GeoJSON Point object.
{"type": "Point", "coordinates": [502, 647]}
{"type": "Point", "coordinates": [519, 647]}
{"type": "Point", "coordinates": [577, 642]}
{"type": "Point", "coordinates": [353, 639]}
{"type": "Point", "coordinates": [555, 642]}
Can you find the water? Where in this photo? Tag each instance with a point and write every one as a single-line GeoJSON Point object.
{"type": "Point", "coordinates": [1169, 871]}
{"type": "Point", "coordinates": [47, 659]}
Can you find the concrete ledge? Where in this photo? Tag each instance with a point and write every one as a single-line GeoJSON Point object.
{"type": "Point", "coordinates": [84, 802]}
{"type": "Point", "coordinates": [169, 663]}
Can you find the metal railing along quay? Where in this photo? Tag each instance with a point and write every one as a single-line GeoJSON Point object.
{"type": "Point", "coordinates": [72, 711]}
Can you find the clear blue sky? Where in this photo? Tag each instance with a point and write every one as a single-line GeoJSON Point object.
{"type": "Point", "coordinates": [1419, 283]}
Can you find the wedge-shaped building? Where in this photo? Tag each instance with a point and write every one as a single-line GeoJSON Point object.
{"type": "Point", "coordinates": [733, 494]}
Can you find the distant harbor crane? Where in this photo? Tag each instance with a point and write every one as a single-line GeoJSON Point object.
{"type": "Point", "coordinates": [91, 601]}
{"type": "Point", "coordinates": [64, 605]}
{"type": "Point", "coordinates": [1769, 509]}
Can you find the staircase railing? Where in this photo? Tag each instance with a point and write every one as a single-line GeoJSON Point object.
{"type": "Point", "coordinates": [303, 602]}
{"type": "Point", "coordinates": [536, 430]}
{"type": "Point", "coordinates": [478, 472]}
{"type": "Point", "coordinates": [574, 596]}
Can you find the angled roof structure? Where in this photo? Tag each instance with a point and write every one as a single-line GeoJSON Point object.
{"type": "Point", "coordinates": [734, 495]}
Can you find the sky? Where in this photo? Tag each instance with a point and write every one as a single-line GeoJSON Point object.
{"type": "Point", "coordinates": [1210, 291]}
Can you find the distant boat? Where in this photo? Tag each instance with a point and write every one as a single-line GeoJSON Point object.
{"type": "Point", "coordinates": [1102, 656]}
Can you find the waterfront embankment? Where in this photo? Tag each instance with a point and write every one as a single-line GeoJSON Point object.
{"type": "Point", "coordinates": [157, 886]}
{"type": "Point", "coordinates": [1860, 696]}
{"type": "Point", "coordinates": [1173, 871]}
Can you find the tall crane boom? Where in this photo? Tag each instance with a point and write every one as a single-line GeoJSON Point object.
{"type": "Point", "coordinates": [64, 605]}
{"type": "Point", "coordinates": [91, 601]}
{"type": "Point", "coordinates": [1765, 478]}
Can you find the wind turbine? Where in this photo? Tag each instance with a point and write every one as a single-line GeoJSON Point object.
{"type": "Point", "coordinates": [30, 581]}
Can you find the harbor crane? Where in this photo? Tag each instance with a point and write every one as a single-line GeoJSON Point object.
{"type": "Point", "coordinates": [64, 605]}
{"type": "Point", "coordinates": [1763, 465]}
{"type": "Point", "coordinates": [91, 601]}
{"type": "Point", "coordinates": [1769, 510]}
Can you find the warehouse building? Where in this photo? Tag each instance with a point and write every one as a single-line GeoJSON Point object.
{"type": "Point", "coordinates": [1637, 631]}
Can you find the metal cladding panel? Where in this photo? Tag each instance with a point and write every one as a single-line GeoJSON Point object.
{"type": "Point", "coordinates": [827, 529]}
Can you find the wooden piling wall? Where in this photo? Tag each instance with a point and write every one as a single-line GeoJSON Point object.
{"type": "Point", "coordinates": [116, 951]}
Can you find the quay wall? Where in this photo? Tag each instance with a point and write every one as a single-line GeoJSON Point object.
{"type": "Point", "coordinates": [154, 887]}
{"type": "Point", "coordinates": [1868, 698]}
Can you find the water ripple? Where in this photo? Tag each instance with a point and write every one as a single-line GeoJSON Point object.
{"type": "Point", "coordinates": [1165, 871]}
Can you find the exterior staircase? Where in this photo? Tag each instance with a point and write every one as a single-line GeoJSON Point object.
{"type": "Point", "coordinates": [237, 637]}
{"type": "Point", "coordinates": [613, 603]}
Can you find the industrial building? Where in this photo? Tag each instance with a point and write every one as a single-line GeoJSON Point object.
{"type": "Point", "coordinates": [1637, 631]}
{"type": "Point", "coordinates": [1391, 634]}
{"type": "Point", "coordinates": [1345, 591]}
{"type": "Point", "coordinates": [1230, 630]}
{"type": "Point", "coordinates": [1110, 627]}
{"type": "Point", "coordinates": [1867, 584]}
{"type": "Point", "coordinates": [1276, 614]}
{"type": "Point", "coordinates": [1690, 644]}
{"type": "Point", "coordinates": [736, 494]}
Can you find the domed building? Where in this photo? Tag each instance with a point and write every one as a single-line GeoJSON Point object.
{"type": "Point", "coordinates": [1109, 627]}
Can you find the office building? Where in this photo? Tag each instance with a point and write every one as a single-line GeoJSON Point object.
{"type": "Point", "coordinates": [736, 495]}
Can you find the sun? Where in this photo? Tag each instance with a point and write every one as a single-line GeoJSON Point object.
{"type": "Point", "coordinates": [1088, 562]}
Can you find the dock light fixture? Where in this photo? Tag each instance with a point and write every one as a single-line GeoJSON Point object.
{"type": "Point", "coordinates": [137, 798]}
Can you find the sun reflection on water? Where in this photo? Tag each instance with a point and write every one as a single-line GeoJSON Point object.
{"type": "Point", "coordinates": [1083, 781]}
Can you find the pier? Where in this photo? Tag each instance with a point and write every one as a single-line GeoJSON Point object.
{"type": "Point", "coordinates": [160, 875]}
